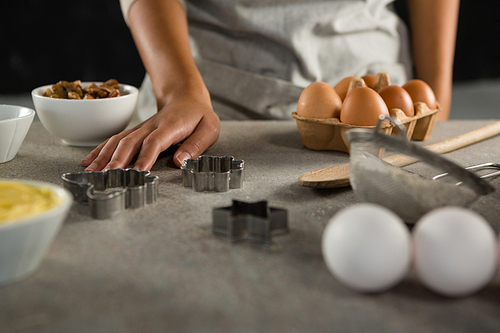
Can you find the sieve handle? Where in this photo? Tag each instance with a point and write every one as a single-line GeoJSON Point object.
{"type": "Point", "coordinates": [338, 176]}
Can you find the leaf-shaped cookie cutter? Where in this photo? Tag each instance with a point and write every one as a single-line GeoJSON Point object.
{"type": "Point", "coordinates": [212, 173]}
{"type": "Point", "coordinates": [112, 191]}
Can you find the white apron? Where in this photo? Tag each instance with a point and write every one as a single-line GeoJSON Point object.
{"type": "Point", "coordinates": [256, 56]}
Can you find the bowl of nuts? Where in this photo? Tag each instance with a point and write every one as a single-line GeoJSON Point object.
{"type": "Point", "coordinates": [85, 113]}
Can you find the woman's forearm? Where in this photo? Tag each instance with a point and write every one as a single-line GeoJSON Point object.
{"type": "Point", "coordinates": [434, 25]}
{"type": "Point", "coordinates": [160, 32]}
{"type": "Point", "coordinates": [185, 115]}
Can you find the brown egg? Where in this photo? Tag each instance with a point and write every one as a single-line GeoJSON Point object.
{"type": "Point", "coordinates": [369, 80]}
{"type": "Point", "coordinates": [319, 100]}
{"type": "Point", "coordinates": [421, 92]}
{"type": "Point", "coordinates": [362, 107]}
{"type": "Point", "coordinates": [342, 87]}
{"type": "Point", "coordinates": [395, 97]}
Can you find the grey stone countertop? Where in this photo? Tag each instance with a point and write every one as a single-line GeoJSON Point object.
{"type": "Point", "coordinates": [160, 268]}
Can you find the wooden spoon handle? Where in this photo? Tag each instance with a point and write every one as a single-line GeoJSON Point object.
{"type": "Point", "coordinates": [338, 176]}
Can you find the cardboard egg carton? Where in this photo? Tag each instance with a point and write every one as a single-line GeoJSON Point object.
{"type": "Point", "coordinates": [329, 133]}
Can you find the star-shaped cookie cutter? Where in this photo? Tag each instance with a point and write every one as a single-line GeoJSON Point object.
{"type": "Point", "coordinates": [212, 173]}
{"type": "Point", "coordinates": [112, 191]}
{"type": "Point", "coordinates": [256, 222]}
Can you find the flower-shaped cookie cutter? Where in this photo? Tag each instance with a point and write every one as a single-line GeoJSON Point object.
{"type": "Point", "coordinates": [256, 222]}
{"type": "Point", "coordinates": [112, 191]}
{"type": "Point", "coordinates": [212, 173]}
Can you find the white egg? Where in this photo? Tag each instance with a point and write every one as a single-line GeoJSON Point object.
{"type": "Point", "coordinates": [455, 251]}
{"type": "Point", "coordinates": [498, 251]}
{"type": "Point", "coordinates": [367, 247]}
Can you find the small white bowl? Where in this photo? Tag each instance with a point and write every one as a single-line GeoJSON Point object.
{"type": "Point", "coordinates": [15, 122]}
{"type": "Point", "coordinates": [25, 241]}
{"type": "Point", "coordinates": [85, 122]}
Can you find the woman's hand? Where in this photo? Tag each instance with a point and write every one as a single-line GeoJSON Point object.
{"type": "Point", "coordinates": [185, 112]}
{"type": "Point", "coordinates": [187, 119]}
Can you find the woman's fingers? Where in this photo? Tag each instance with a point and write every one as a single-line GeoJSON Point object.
{"type": "Point", "coordinates": [87, 160]}
{"type": "Point", "coordinates": [205, 135]}
{"type": "Point", "coordinates": [156, 142]}
{"type": "Point", "coordinates": [117, 151]}
{"type": "Point", "coordinates": [125, 151]}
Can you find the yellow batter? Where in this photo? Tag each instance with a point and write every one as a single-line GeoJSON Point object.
{"type": "Point", "coordinates": [18, 200]}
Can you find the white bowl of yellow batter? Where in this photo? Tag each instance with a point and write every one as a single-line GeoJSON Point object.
{"type": "Point", "coordinates": [31, 215]}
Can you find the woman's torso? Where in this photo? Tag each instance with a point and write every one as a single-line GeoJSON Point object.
{"type": "Point", "coordinates": [257, 55]}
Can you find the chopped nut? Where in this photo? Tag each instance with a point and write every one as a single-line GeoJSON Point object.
{"type": "Point", "coordinates": [77, 89]}
{"type": "Point", "coordinates": [114, 93]}
{"type": "Point", "coordinates": [48, 92]}
{"type": "Point", "coordinates": [59, 90]}
{"type": "Point", "coordinates": [73, 95]}
{"type": "Point", "coordinates": [111, 83]}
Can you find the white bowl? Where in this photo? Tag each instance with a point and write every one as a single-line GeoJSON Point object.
{"type": "Point", "coordinates": [85, 122]}
{"type": "Point", "coordinates": [15, 122]}
{"type": "Point", "coordinates": [25, 241]}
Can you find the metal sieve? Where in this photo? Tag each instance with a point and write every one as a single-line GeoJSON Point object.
{"type": "Point", "coordinates": [408, 194]}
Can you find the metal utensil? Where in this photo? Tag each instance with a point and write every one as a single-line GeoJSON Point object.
{"type": "Point", "coordinates": [338, 175]}
{"type": "Point", "coordinates": [408, 194]}
{"type": "Point", "coordinates": [256, 222]}
{"type": "Point", "coordinates": [213, 173]}
{"type": "Point", "coordinates": [112, 191]}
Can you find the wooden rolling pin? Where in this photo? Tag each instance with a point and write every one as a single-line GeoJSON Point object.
{"type": "Point", "coordinates": [338, 176]}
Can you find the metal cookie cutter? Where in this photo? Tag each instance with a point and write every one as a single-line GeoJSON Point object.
{"type": "Point", "coordinates": [212, 173]}
{"type": "Point", "coordinates": [252, 221]}
{"type": "Point", "coordinates": [112, 191]}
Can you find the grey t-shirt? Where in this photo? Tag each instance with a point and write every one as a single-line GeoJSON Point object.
{"type": "Point", "coordinates": [256, 56]}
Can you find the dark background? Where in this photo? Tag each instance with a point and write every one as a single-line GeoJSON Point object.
{"type": "Point", "coordinates": [42, 42]}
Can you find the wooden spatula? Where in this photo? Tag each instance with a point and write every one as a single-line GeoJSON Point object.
{"type": "Point", "coordinates": [338, 176]}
